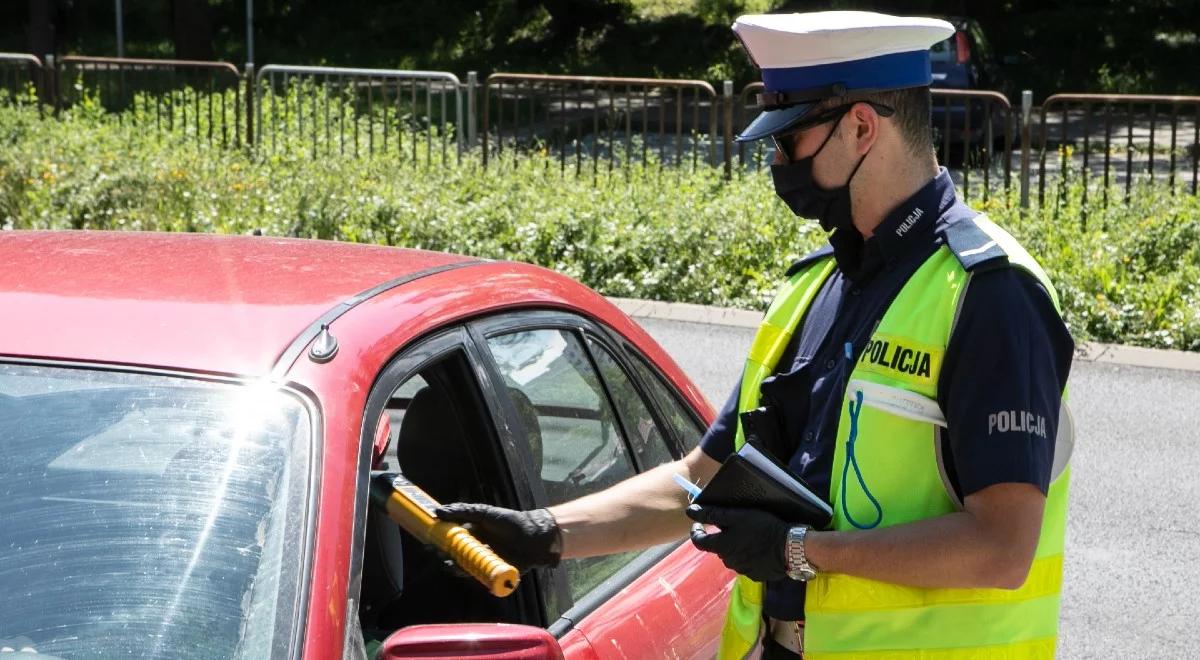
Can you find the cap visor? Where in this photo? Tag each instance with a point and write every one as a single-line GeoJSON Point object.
{"type": "Point", "coordinates": [770, 122]}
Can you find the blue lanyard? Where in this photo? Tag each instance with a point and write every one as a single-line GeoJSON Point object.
{"type": "Point", "coordinates": [855, 407]}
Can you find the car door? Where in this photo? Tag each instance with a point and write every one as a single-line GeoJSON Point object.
{"type": "Point", "coordinates": [432, 415]}
{"type": "Point", "coordinates": [679, 602]}
{"type": "Point", "coordinates": [581, 407]}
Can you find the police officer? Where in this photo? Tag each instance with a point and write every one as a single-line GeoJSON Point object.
{"type": "Point", "coordinates": [948, 522]}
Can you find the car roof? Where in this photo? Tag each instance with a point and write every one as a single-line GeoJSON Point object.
{"type": "Point", "coordinates": [223, 304]}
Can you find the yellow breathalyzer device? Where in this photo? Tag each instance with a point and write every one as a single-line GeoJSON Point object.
{"type": "Point", "coordinates": [411, 508]}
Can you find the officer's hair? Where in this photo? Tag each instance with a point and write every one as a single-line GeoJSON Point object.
{"type": "Point", "coordinates": [913, 117]}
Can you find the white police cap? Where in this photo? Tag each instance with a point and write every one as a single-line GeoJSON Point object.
{"type": "Point", "coordinates": [805, 58]}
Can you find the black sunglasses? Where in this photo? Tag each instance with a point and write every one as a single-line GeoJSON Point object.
{"type": "Point", "coordinates": [785, 143]}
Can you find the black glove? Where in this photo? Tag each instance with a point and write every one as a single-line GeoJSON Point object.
{"type": "Point", "coordinates": [750, 541]}
{"type": "Point", "coordinates": [525, 539]}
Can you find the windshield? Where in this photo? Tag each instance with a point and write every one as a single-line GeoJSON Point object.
{"type": "Point", "coordinates": [149, 516]}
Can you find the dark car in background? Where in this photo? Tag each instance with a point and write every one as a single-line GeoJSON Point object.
{"type": "Point", "coordinates": [965, 61]}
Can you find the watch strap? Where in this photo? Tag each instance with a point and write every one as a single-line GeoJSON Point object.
{"type": "Point", "coordinates": [798, 566]}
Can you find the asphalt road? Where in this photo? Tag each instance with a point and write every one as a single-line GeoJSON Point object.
{"type": "Point", "coordinates": [1132, 577]}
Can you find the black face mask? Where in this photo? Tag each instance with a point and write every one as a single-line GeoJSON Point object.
{"type": "Point", "coordinates": [795, 186]}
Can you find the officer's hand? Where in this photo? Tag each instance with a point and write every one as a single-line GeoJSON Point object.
{"type": "Point", "coordinates": [525, 539]}
{"type": "Point", "coordinates": [750, 541]}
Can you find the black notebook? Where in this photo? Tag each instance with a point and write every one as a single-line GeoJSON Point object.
{"type": "Point", "coordinates": [751, 479]}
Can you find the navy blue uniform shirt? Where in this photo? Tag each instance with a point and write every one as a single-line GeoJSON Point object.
{"type": "Point", "coordinates": [1009, 351]}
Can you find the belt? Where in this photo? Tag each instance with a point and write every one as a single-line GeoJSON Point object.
{"type": "Point", "coordinates": [788, 634]}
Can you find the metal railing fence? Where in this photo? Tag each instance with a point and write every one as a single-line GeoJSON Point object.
{"type": "Point", "coordinates": [970, 126]}
{"type": "Point", "coordinates": [1145, 126]}
{"type": "Point", "coordinates": [1104, 142]}
{"type": "Point", "coordinates": [201, 99]}
{"type": "Point", "coordinates": [590, 119]}
{"type": "Point", "coordinates": [746, 108]}
{"type": "Point", "coordinates": [22, 78]}
{"type": "Point", "coordinates": [357, 111]}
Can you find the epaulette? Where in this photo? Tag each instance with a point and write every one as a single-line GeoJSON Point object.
{"type": "Point", "coordinates": [824, 251]}
{"type": "Point", "coordinates": [974, 248]}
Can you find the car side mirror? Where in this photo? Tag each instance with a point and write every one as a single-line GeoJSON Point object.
{"type": "Point", "coordinates": [494, 641]}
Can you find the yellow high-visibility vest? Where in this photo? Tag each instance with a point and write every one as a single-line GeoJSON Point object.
{"type": "Point", "coordinates": [850, 618]}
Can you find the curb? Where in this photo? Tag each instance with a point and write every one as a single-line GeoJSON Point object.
{"type": "Point", "coordinates": [1118, 354]}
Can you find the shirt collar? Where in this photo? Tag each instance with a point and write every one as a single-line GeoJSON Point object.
{"type": "Point", "coordinates": [905, 226]}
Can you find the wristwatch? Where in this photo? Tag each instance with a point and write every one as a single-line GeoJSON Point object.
{"type": "Point", "coordinates": [798, 567]}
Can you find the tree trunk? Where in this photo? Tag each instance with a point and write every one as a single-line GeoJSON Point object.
{"type": "Point", "coordinates": [192, 29]}
{"type": "Point", "coordinates": [41, 27]}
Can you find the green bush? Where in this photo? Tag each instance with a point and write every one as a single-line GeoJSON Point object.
{"type": "Point", "coordinates": [1127, 274]}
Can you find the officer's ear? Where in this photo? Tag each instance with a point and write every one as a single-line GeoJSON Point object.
{"type": "Point", "coordinates": [863, 127]}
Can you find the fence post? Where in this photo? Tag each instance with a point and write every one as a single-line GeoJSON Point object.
{"type": "Point", "coordinates": [727, 132]}
{"type": "Point", "coordinates": [251, 88]}
{"type": "Point", "coordinates": [472, 83]}
{"type": "Point", "coordinates": [1026, 109]}
{"type": "Point", "coordinates": [483, 137]}
{"type": "Point", "coordinates": [50, 82]}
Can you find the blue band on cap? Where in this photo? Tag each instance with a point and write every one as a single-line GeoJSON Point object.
{"type": "Point", "coordinates": [895, 71]}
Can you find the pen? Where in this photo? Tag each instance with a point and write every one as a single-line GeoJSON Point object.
{"type": "Point", "coordinates": [692, 489]}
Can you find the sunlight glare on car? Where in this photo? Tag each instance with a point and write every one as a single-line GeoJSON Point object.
{"type": "Point", "coordinates": [255, 404]}
{"type": "Point", "coordinates": [251, 409]}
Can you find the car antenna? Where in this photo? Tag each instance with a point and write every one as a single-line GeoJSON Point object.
{"type": "Point", "coordinates": [324, 347]}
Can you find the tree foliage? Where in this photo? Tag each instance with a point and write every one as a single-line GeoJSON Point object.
{"type": "Point", "coordinates": [1049, 45]}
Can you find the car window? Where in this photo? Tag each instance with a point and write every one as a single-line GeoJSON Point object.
{"type": "Point", "coordinates": [440, 437]}
{"type": "Point", "coordinates": [647, 439]}
{"type": "Point", "coordinates": [393, 417]}
{"type": "Point", "coordinates": [945, 50]}
{"type": "Point", "coordinates": [565, 412]}
{"type": "Point", "coordinates": [679, 417]}
{"type": "Point", "coordinates": [563, 404]}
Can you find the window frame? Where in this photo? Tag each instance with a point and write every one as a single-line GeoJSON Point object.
{"type": "Point", "coordinates": [582, 328]}
{"type": "Point", "coordinates": [614, 349]}
{"type": "Point", "coordinates": [410, 359]}
{"type": "Point", "coordinates": [633, 354]}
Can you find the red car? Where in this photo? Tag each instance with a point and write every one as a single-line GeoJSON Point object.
{"type": "Point", "coordinates": [188, 424]}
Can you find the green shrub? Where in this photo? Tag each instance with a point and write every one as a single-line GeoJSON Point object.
{"type": "Point", "coordinates": [1127, 274]}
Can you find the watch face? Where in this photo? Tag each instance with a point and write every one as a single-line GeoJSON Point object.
{"type": "Point", "coordinates": [802, 573]}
